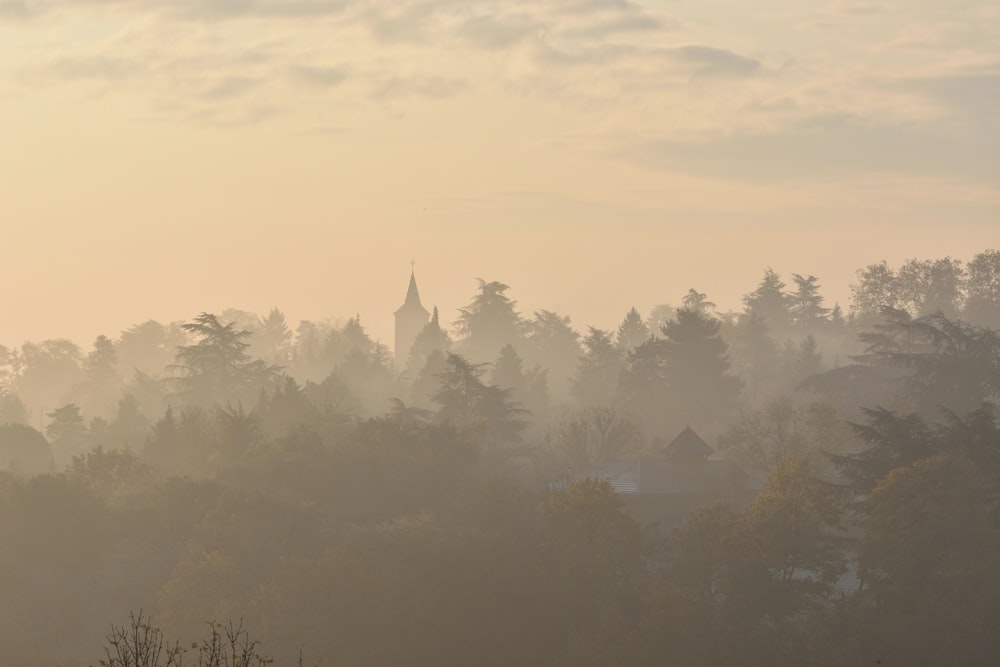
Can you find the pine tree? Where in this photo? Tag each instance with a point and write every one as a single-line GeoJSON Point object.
{"type": "Point", "coordinates": [805, 303]}
{"type": "Point", "coordinates": [632, 332]}
{"type": "Point", "coordinates": [768, 301]}
{"type": "Point", "coordinates": [596, 379]}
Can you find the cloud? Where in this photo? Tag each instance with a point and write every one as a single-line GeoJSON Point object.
{"type": "Point", "coordinates": [973, 95]}
{"type": "Point", "coordinates": [14, 10]}
{"type": "Point", "coordinates": [824, 148]}
{"type": "Point", "coordinates": [435, 87]}
{"type": "Point", "coordinates": [228, 88]}
{"type": "Point", "coordinates": [319, 76]}
{"type": "Point", "coordinates": [495, 33]}
{"type": "Point", "coordinates": [102, 68]}
{"type": "Point", "coordinates": [711, 60]}
{"type": "Point", "coordinates": [854, 8]}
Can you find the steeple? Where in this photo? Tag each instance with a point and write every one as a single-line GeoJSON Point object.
{"type": "Point", "coordinates": [411, 318]}
{"type": "Point", "coordinates": [412, 295]}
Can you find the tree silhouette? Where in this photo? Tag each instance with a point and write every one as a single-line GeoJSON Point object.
{"type": "Point", "coordinates": [217, 367]}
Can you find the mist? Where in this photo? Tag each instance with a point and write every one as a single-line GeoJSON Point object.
{"type": "Point", "coordinates": [566, 333]}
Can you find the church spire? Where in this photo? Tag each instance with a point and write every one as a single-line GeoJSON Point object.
{"type": "Point", "coordinates": [412, 295]}
{"type": "Point", "coordinates": [411, 318]}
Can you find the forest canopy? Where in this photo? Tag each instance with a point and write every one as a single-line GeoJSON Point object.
{"type": "Point", "coordinates": [488, 494]}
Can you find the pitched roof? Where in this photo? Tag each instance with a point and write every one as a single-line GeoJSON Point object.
{"type": "Point", "coordinates": [412, 298]}
{"type": "Point", "coordinates": [688, 445]}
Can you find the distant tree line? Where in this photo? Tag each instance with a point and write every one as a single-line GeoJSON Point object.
{"type": "Point", "coordinates": [230, 468]}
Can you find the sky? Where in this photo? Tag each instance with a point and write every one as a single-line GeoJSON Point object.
{"type": "Point", "coordinates": [160, 158]}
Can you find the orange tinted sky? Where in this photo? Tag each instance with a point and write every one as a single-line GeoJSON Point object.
{"type": "Point", "coordinates": [162, 158]}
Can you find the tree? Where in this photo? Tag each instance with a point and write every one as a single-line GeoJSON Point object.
{"type": "Point", "coordinates": [929, 562]}
{"type": "Point", "coordinates": [485, 412]}
{"type": "Point", "coordinates": [67, 432]}
{"type": "Point", "coordinates": [768, 301]}
{"type": "Point", "coordinates": [24, 450]}
{"type": "Point", "coordinates": [431, 338]}
{"type": "Point", "coordinates": [597, 372]}
{"type": "Point", "coordinates": [930, 286]}
{"type": "Point", "coordinates": [489, 322]}
{"type": "Point", "coordinates": [149, 347]}
{"type": "Point", "coordinates": [949, 363]}
{"type": "Point", "coordinates": [982, 304]}
{"type": "Point", "coordinates": [644, 386]}
{"type": "Point", "coordinates": [595, 435]}
{"type": "Point", "coordinates": [594, 548]}
{"type": "Point", "coordinates": [45, 370]}
{"type": "Point", "coordinates": [796, 523]}
{"type": "Point", "coordinates": [697, 301]}
{"type": "Point", "coordinates": [12, 409]}
{"type": "Point", "coordinates": [428, 381]}
{"type": "Point", "coordinates": [658, 317]}
{"type": "Point", "coordinates": [273, 339]}
{"type": "Point", "coordinates": [217, 367]}
{"type": "Point", "coordinates": [632, 332]}
{"type": "Point", "coordinates": [140, 644]}
{"type": "Point", "coordinates": [805, 304]}
{"type": "Point", "coordinates": [808, 360]}
{"type": "Point", "coordinates": [101, 365]}
{"type": "Point", "coordinates": [755, 356]}
{"type": "Point", "coordinates": [697, 365]}
{"type": "Point", "coordinates": [552, 343]}
{"type": "Point", "coordinates": [876, 288]}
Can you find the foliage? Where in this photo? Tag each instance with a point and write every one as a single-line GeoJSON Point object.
{"type": "Point", "coordinates": [217, 367]}
{"type": "Point", "coordinates": [595, 435]}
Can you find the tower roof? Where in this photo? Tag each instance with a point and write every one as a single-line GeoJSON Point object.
{"type": "Point", "coordinates": [412, 302]}
{"type": "Point", "coordinates": [688, 445]}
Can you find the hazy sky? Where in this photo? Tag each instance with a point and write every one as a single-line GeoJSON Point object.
{"type": "Point", "coordinates": [159, 158]}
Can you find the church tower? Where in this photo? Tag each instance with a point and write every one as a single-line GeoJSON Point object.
{"type": "Point", "coordinates": [411, 318]}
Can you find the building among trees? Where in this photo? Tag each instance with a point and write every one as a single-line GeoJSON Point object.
{"type": "Point", "coordinates": [411, 318]}
{"type": "Point", "coordinates": [666, 486]}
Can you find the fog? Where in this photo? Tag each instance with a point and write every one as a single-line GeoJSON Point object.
{"type": "Point", "coordinates": [577, 332]}
{"type": "Point", "coordinates": [789, 482]}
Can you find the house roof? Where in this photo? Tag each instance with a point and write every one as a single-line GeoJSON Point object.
{"type": "Point", "coordinates": [688, 445]}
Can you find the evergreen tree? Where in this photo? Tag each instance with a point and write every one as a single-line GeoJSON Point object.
{"type": "Point", "coordinates": [632, 332]}
{"type": "Point", "coordinates": [273, 340]}
{"type": "Point", "coordinates": [805, 303]}
{"type": "Point", "coordinates": [428, 381]}
{"type": "Point", "coordinates": [808, 360]}
{"type": "Point", "coordinates": [596, 379]}
{"type": "Point", "coordinates": [484, 412]}
{"type": "Point", "coordinates": [755, 356]}
{"type": "Point", "coordinates": [696, 363]}
{"type": "Point", "coordinates": [489, 322]}
{"type": "Point", "coordinates": [552, 343]}
{"type": "Point", "coordinates": [697, 301]}
{"type": "Point", "coordinates": [217, 367]}
{"type": "Point", "coordinates": [769, 302]}
{"type": "Point", "coordinates": [432, 337]}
